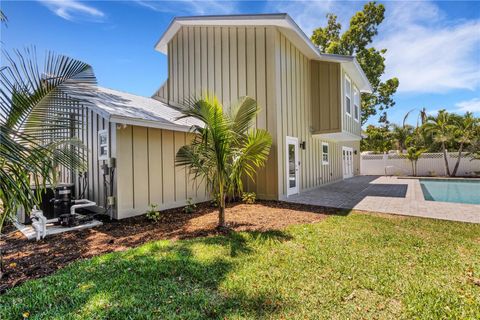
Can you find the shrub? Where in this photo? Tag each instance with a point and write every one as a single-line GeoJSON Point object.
{"type": "Point", "coordinates": [249, 197]}
{"type": "Point", "coordinates": [153, 213]}
{"type": "Point", "coordinates": [190, 207]}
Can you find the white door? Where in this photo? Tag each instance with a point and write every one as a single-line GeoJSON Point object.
{"type": "Point", "coordinates": [347, 159]}
{"type": "Point", "coordinates": [292, 165]}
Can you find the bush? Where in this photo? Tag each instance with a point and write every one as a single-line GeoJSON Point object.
{"type": "Point", "coordinates": [191, 207]}
{"type": "Point", "coordinates": [249, 197]}
{"type": "Point", "coordinates": [153, 213]}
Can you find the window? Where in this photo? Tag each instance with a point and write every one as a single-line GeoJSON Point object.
{"type": "Point", "coordinates": [324, 153]}
{"type": "Point", "coordinates": [356, 103]}
{"type": "Point", "coordinates": [348, 94]}
{"type": "Point", "coordinates": [102, 145]}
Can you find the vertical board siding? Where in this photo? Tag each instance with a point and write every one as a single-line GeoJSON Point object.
{"type": "Point", "coordinates": [349, 123]}
{"type": "Point", "coordinates": [326, 108]}
{"type": "Point", "coordinates": [231, 62]}
{"type": "Point", "coordinates": [262, 63]}
{"type": "Point", "coordinates": [296, 77]}
{"type": "Point", "coordinates": [146, 171]}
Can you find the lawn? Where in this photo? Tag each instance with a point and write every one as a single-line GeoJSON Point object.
{"type": "Point", "coordinates": [356, 266]}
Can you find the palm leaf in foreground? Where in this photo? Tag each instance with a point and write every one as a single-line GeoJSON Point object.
{"type": "Point", "coordinates": [38, 116]}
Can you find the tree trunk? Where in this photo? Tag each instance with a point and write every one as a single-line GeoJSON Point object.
{"type": "Point", "coordinates": [221, 212]}
{"type": "Point", "coordinates": [445, 158]}
{"type": "Point", "coordinates": [454, 173]}
{"type": "Point", "coordinates": [413, 168]}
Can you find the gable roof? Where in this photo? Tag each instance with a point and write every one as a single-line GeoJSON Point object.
{"type": "Point", "coordinates": [280, 20]}
{"type": "Point", "coordinates": [126, 108]}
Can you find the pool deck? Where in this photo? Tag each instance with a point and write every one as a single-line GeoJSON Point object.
{"type": "Point", "coordinates": [386, 195]}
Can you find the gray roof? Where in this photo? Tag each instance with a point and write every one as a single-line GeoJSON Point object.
{"type": "Point", "coordinates": [127, 108]}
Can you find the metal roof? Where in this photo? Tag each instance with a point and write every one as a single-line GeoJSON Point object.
{"type": "Point", "coordinates": [127, 108]}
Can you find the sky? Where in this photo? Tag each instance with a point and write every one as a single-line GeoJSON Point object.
{"type": "Point", "coordinates": [432, 47]}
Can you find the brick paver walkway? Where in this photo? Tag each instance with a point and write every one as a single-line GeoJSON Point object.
{"type": "Point", "coordinates": [386, 195]}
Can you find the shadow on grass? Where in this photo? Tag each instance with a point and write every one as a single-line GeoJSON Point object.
{"type": "Point", "coordinates": [161, 279]}
{"type": "Point", "coordinates": [306, 207]}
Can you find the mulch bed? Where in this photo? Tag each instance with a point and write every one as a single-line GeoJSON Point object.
{"type": "Point", "coordinates": [24, 260]}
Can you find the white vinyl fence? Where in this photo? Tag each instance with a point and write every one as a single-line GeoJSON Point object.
{"type": "Point", "coordinates": [430, 164]}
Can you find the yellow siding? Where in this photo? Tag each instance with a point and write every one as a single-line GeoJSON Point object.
{"type": "Point", "coordinates": [259, 62]}
{"type": "Point", "coordinates": [295, 118]}
{"type": "Point", "coordinates": [146, 172]}
{"type": "Point", "coordinates": [233, 62]}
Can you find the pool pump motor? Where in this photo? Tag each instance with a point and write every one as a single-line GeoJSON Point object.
{"type": "Point", "coordinates": [62, 203]}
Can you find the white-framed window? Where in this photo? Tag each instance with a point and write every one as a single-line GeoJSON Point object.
{"type": "Point", "coordinates": [103, 145]}
{"type": "Point", "coordinates": [348, 96]}
{"type": "Point", "coordinates": [325, 153]}
{"type": "Point", "coordinates": [356, 104]}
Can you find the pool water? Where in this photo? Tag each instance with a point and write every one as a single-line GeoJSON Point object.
{"type": "Point", "coordinates": [462, 191]}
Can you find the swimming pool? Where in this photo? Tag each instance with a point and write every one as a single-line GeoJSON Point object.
{"type": "Point", "coordinates": [446, 190]}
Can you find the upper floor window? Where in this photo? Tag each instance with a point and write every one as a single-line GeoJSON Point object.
{"type": "Point", "coordinates": [348, 95]}
{"type": "Point", "coordinates": [356, 104]}
{"type": "Point", "coordinates": [324, 153]}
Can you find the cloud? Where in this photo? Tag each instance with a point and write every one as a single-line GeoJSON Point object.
{"type": "Point", "coordinates": [472, 105]}
{"type": "Point", "coordinates": [72, 10]}
{"type": "Point", "coordinates": [308, 14]}
{"type": "Point", "coordinates": [426, 51]}
{"type": "Point", "coordinates": [190, 7]}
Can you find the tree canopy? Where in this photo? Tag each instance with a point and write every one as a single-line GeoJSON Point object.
{"type": "Point", "coordinates": [356, 40]}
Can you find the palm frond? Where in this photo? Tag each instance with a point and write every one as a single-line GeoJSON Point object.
{"type": "Point", "coordinates": [39, 113]}
{"type": "Point", "coordinates": [243, 115]}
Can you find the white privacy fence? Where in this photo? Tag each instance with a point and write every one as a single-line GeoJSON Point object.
{"type": "Point", "coordinates": [430, 164]}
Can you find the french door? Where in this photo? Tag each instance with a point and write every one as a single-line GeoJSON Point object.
{"type": "Point", "coordinates": [292, 165]}
{"type": "Point", "coordinates": [347, 159]}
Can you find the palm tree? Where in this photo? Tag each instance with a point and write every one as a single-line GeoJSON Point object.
{"type": "Point", "coordinates": [401, 133]}
{"type": "Point", "coordinates": [441, 128]}
{"type": "Point", "coordinates": [465, 132]}
{"type": "Point", "coordinates": [38, 108]}
{"type": "Point", "coordinates": [226, 149]}
{"type": "Point", "coordinates": [413, 154]}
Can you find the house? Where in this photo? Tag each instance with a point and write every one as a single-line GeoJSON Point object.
{"type": "Point", "coordinates": [310, 103]}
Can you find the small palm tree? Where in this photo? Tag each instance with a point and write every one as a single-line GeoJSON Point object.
{"type": "Point", "coordinates": [401, 133]}
{"type": "Point", "coordinates": [226, 149]}
{"type": "Point", "coordinates": [37, 114]}
{"type": "Point", "coordinates": [442, 128]}
{"type": "Point", "coordinates": [465, 132]}
{"type": "Point", "coordinates": [413, 154]}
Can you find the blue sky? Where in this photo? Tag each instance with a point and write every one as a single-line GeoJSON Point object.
{"type": "Point", "coordinates": [433, 47]}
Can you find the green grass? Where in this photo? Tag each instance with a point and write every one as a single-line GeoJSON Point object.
{"type": "Point", "coordinates": [358, 266]}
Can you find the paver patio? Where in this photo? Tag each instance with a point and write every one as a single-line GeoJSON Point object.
{"type": "Point", "coordinates": [386, 195]}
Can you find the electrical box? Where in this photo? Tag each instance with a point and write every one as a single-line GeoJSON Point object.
{"type": "Point", "coordinates": [103, 152]}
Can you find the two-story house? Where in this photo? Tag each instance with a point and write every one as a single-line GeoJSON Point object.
{"type": "Point", "coordinates": [310, 103]}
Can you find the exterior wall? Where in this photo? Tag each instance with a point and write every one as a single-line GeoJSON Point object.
{"type": "Point", "coordinates": [231, 62]}
{"type": "Point", "coordinates": [295, 117]}
{"type": "Point", "coordinates": [349, 123]}
{"type": "Point", "coordinates": [262, 63]}
{"type": "Point", "coordinates": [326, 99]}
{"type": "Point", "coordinates": [162, 93]}
{"type": "Point", "coordinates": [95, 190]}
{"type": "Point", "coordinates": [146, 172]}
